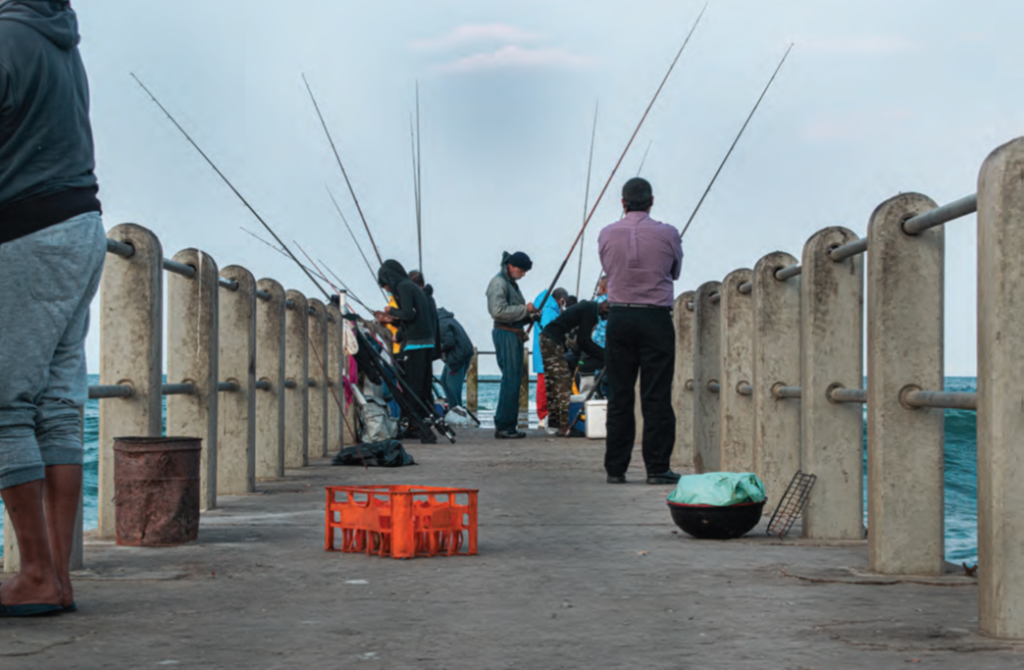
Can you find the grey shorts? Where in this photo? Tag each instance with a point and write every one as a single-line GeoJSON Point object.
{"type": "Point", "coordinates": [47, 281]}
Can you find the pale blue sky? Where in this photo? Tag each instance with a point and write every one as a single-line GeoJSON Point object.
{"type": "Point", "coordinates": [877, 97]}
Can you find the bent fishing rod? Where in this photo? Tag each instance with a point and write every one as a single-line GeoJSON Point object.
{"type": "Point", "coordinates": [586, 196]}
{"type": "Point", "coordinates": [604, 190]}
{"type": "Point", "coordinates": [230, 185]}
{"type": "Point", "coordinates": [735, 142]}
{"type": "Point", "coordinates": [342, 166]}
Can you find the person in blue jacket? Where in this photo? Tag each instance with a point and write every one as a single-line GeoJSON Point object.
{"type": "Point", "coordinates": [552, 308]}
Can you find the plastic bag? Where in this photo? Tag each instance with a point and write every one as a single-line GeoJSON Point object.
{"type": "Point", "coordinates": [458, 416]}
{"type": "Point", "coordinates": [718, 489]}
{"type": "Point", "coordinates": [387, 454]}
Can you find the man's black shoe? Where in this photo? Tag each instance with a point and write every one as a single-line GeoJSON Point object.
{"type": "Point", "coordinates": [512, 434]}
{"type": "Point", "coordinates": [616, 479]}
{"type": "Point", "coordinates": [667, 477]}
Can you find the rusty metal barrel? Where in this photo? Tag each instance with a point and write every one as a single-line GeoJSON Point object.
{"type": "Point", "coordinates": [156, 484]}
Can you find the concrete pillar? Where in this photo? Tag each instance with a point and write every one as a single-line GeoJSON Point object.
{"type": "Point", "coordinates": [192, 353]}
{"type": "Point", "coordinates": [335, 369]}
{"type": "Point", "coordinates": [737, 363]}
{"type": "Point", "coordinates": [473, 383]}
{"type": "Point", "coordinates": [832, 348]}
{"type": "Point", "coordinates": [270, 369]}
{"type": "Point", "coordinates": [131, 352]}
{"type": "Point", "coordinates": [776, 364]}
{"type": "Point", "coordinates": [236, 410]}
{"type": "Point", "coordinates": [1001, 392]}
{"type": "Point", "coordinates": [348, 416]}
{"type": "Point", "coordinates": [296, 394]}
{"type": "Point", "coordinates": [318, 391]}
{"type": "Point", "coordinates": [682, 382]}
{"type": "Point", "coordinates": [706, 418]}
{"type": "Point", "coordinates": [524, 394]}
{"type": "Point", "coordinates": [906, 446]}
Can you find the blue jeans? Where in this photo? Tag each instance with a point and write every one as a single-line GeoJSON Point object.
{"type": "Point", "coordinates": [510, 359]}
{"type": "Point", "coordinates": [49, 279]}
{"type": "Point", "coordinates": [453, 381]}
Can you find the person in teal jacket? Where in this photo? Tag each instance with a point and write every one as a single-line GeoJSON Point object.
{"type": "Point", "coordinates": [552, 308]}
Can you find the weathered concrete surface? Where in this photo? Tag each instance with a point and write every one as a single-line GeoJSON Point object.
{"type": "Point", "coordinates": [336, 393]}
{"type": "Point", "coordinates": [318, 372]}
{"type": "Point", "coordinates": [192, 337]}
{"type": "Point", "coordinates": [572, 573]}
{"type": "Point", "coordinates": [682, 382]}
{"type": "Point", "coordinates": [776, 362]}
{"type": "Point", "coordinates": [706, 343]}
{"type": "Point", "coordinates": [906, 446]}
{"type": "Point", "coordinates": [270, 368]}
{"type": "Point", "coordinates": [236, 410]}
{"type": "Point", "coordinates": [296, 394]}
{"type": "Point", "coordinates": [832, 353]}
{"type": "Point", "coordinates": [1001, 390]}
{"type": "Point", "coordinates": [737, 369]}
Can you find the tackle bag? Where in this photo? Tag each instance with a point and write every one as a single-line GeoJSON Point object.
{"type": "Point", "coordinates": [377, 422]}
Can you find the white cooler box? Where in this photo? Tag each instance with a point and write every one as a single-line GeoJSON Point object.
{"type": "Point", "coordinates": [597, 418]}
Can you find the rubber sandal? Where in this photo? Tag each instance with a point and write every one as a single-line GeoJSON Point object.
{"type": "Point", "coordinates": [30, 609]}
{"type": "Point", "coordinates": [73, 607]}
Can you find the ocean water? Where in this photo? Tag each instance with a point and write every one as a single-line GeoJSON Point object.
{"type": "Point", "coordinates": [961, 467]}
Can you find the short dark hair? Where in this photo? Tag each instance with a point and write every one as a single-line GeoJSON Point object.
{"type": "Point", "coordinates": [570, 301]}
{"type": "Point", "coordinates": [559, 294]}
{"type": "Point", "coordinates": [637, 195]}
{"type": "Point", "coordinates": [416, 277]}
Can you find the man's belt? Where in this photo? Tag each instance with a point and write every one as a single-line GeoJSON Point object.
{"type": "Point", "coordinates": [511, 329]}
{"type": "Point", "coordinates": [633, 305]}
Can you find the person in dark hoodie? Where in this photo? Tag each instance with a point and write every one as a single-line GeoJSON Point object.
{"type": "Point", "coordinates": [52, 248]}
{"type": "Point", "coordinates": [417, 278]}
{"type": "Point", "coordinates": [457, 352]}
{"type": "Point", "coordinates": [416, 321]}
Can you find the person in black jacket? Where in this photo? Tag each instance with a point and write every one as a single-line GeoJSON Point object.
{"type": "Point", "coordinates": [417, 278]}
{"type": "Point", "coordinates": [416, 320]}
{"type": "Point", "coordinates": [582, 317]}
{"type": "Point", "coordinates": [457, 352]}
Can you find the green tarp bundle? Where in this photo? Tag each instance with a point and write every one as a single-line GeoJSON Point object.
{"type": "Point", "coordinates": [718, 489]}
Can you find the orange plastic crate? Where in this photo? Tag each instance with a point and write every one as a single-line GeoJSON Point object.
{"type": "Point", "coordinates": [401, 521]}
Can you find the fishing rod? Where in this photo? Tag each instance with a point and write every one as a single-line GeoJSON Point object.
{"type": "Point", "coordinates": [586, 222]}
{"type": "Point", "coordinates": [734, 142]}
{"type": "Point", "coordinates": [353, 235]}
{"type": "Point", "coordinates": [586, 197]}
{"type": "Point", "coordinates": [228, 182]}
{"type": "Point", "coordinates": [281, 251]}
{"type": "Point", "coordinates": [419, 178]}
{"type": "Point", "coordinates": [342, 166]}
{"type": "Point", "coordinates": [644, 159]}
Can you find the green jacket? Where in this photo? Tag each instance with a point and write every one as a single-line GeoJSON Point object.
{"type": "Point", "coordinates": [505, 301]}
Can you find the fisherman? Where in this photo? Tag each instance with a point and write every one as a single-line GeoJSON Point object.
{"type": "Point", "coordinates": [417, 278]}
{"type": "Point", "coordinates": [52, 248]}
{"type": "Point", "coordinates": [548, 313]}
{"type": "Point", "coordinates": [511, 313]}
{"type": "Point", "coordinates": [457, 353]}
{"type": "Point", "coordinates": [416, 322]}
{"type": "Point", "coordinates": [642, 258]}
{"type": "Point", "coordinates": [582, 317]}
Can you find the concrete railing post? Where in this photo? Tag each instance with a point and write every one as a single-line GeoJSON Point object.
{"type": "Point", "coordinates": [336, 391]}
{"type": "Point", "coordinates": [776, 364]}
{"type": "Point", "coordinates": [906, 446]}
{"type": "Point", "coordinates": [737, 363]}
{"type": "Point", "coordinates": [524, 393]}
{"type": "Point", "coordinates": [473, 383]}
{"type": "Point", "coordinates": [682, 382]}
{"type": "Point", "coordinates": [706, 418]}
{"type": "Point", "coordinates": [236, 410]}
{"type": "Point", "coordinates": [832, 349]}
{"type": "Point", "coordinates": [318, 368]}
{"type": "Point", "coordinates": [270, 369]}
{"type": "Point", "coordinates": [296, 394]}
{"type": "Point", "coordinates": [131, 352]}
{"type": "Point", "coordinates": [192, 352]}
{"type": "Point", "coordinates": [1001, 392]}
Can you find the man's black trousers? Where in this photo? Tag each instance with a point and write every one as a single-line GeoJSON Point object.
{"type": "Point", "coordinates": [419, 376]}
{"type": "Point", "coordinates": [640, 341]}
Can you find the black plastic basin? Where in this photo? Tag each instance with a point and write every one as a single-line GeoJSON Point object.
{"type": "Point", "coordinates": [709, 522]}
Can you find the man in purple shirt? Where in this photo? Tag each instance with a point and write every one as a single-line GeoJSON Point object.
{"type": "Point", "coordinates": [642, 258]}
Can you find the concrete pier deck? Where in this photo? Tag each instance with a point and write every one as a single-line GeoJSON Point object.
{"type": "Point", "coordinates": [572, 573]}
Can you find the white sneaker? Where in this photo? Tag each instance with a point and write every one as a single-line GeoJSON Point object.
{"type": "Point", "coordinates": [551, 431]}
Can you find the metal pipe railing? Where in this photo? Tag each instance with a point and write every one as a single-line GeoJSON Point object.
{"type": "Point", "coordinates": [177, 268]}
{"type": "Point", "coordinates": [849, 250]}
{"type": "Point", "coordinates": [228, 387]}
{"type": "Point", "coordinates": [263, 385]}
{"type": "Point", "coordinates": [178, 389]}
{"type": "Point", "coordinates": [714, 387]}
{"type": "Point", "coordinates": [940, 215]}
{"type": "Point", "coordinates": [940, 399]}
{"type": "Point", "coordinates": [745, 390]}
{"type": "Point", "coordinates": [845, 395]}
{"type": "Point", "coordinates": [787, 392]}
{"type": "Point", "coordinates": [110, 391]}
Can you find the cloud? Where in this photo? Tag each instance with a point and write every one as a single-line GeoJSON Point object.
{"type": "Point", "coordinates": [863, 45]}
{"type": "Point", "coordinates": [515, 57]}
{"type": "Point", "coordinates": [471, 34]}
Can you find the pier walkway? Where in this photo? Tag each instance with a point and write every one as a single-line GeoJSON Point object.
{"type": "Point", "coordinates": [572, 573]}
